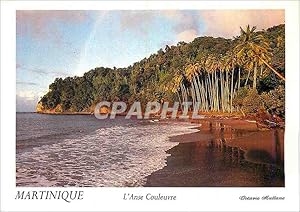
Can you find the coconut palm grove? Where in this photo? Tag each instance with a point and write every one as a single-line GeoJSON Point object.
{"type": "Point", "coordinates": [243, 75]}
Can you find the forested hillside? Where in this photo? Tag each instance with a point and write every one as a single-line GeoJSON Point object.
{"type": "Point", "coordinates": [243, 74]}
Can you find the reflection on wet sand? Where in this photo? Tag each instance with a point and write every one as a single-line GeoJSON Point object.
{"type": "Point", "coordinates": [224, 155]}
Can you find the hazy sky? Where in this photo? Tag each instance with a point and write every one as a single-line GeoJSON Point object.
{"type": "Point", "coordinates": [54, 44]}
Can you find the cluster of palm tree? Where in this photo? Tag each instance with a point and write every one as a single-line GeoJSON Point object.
{"type": "Point", "coordinates": [213, 82]}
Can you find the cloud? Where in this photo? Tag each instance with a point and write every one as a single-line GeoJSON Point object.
{"type": "Point", "coordinates": [26, 101]}
{"type": "Point", "coordinates": [172, 14]}
{"type": "Point", "coordinates": [24, 105]}
{"type": "Point", "coordinates": [187, 35]}
{"type": "Point", "coordinates": [42, 24]}
{"type": "Point", "coordinates": [226, 23]}
{"type": "Point", "coordinates": [47, 72]}
{"type": "Point", "coordinates": [28, 95]}
{"type": "Point", "coordinates": [26, 83]}
{"type": "Point", "coordinates": [183, 21]}
{"type": "Point", "coordinates": [186, 24]}
{"type": "Point", "coordinates": [137, 21]}
{"type": "Point", "coordinates": [41, 71]}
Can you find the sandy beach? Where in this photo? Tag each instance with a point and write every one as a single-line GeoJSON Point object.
{"type": "Point", "coordinates": [224, 152]}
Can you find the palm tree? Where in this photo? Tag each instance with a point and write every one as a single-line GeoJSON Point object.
{"type": "Point", "coordinates": [255, 50]}
{"type": "Point", "coordinates": [231, 63]}
{"type": "Point", "coordinates": [191, 72]}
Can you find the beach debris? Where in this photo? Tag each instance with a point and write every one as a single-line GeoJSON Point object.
{"type": "Point", "coordinates": [271, 123]}
{"type": "Point", "coordinates": [154, 120]}
{"type": "Point", "coordinates": [251, 121]}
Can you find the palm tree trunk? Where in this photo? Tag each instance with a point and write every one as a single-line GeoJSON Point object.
{"type": "Point", "coordinates": [217, 92]}
{"type": "Point", "coordinates": [222, 91]}
{"type": "Point", "coordinates": [270, 67]}
{"type": "Point", "coordinates": [247, 78]}
{"type": "Point", "coordinates": [192, 90]}
{"type": "Point", "coordinates": [209, 90]}
{"type": "Point", "coordinates": [200, 92]}
{"type": "Point", "coordinates": [227, 92]}
{"type": "Point", "coordinates": [254, 76]}
{"type": "Point", "coordinates": [231, 95]}
{"type": "Point", "coordinates": [214, 90]}
{"type": "Point", "coordinates": [182, 94]}
{"type": "Point", "coordinates": [185, 93]}
{"type": "Point", "coordinates": [204, 92]}
{"type": "Point", "coordinates": [180, 102]}
{"type": "Point", "coordinates": [239, 83]}
{"type": "Point", "coordinates": [197, 90]}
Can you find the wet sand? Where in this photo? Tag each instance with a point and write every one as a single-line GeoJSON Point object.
{"type": "Point", "coordinates": [224, 153]}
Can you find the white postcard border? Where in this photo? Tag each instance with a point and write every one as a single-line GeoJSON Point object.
{"type": "Point", "coordinates": [110, 199]}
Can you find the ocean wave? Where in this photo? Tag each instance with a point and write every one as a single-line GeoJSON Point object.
{"type": "Point", "coordinates": [115, 156]}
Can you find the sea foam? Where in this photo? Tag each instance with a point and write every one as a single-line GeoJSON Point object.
{"type": "Point", "coordinates": [116, 156]}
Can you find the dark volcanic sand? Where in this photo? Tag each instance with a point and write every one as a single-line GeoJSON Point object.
{"type": "Point", "coordinates": [234, 154]}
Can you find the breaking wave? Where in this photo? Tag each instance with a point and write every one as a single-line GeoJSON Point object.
{"type": "Point", "coordinates": [121, 155]}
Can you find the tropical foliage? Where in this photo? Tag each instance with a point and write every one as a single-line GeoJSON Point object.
{"type": "Point", "coordinates": [218, 74]}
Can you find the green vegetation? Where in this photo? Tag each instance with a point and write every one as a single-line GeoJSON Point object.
{"type": "Point", "coordinates": [244, 74]}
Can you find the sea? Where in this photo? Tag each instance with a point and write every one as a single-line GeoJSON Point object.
{"type": "Point", "coordinates": [82, 151]}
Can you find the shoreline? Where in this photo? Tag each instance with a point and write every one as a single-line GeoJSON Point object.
{"type": "Point", "coordinates": [261, 120]}
{"type": "Point", "coordinates": [65, 113]}
{"type": "Point", "coordinates": [221, 148]}
{"type": "Point", "coordinates": [225, 146]}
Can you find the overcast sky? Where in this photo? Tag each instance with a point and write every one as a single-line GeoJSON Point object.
{"type": "Point", "coordinates": [54, 44]}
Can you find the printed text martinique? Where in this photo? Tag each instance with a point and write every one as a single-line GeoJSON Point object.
{"type": "Point", "coordinates": [67, 196]}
